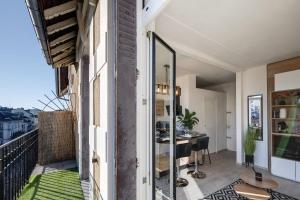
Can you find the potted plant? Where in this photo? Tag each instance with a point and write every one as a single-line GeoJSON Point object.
{"type": "Point", "coordinates": [188, 120]}
{"type": "Point", "coordinates": [249, 146]}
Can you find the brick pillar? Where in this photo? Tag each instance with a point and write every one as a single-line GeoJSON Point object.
{"type": "Point", "coordinates": [126, 99]}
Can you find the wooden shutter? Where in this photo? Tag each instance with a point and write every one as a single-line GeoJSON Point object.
{"type": "Point", "coordinates": [96, 101]}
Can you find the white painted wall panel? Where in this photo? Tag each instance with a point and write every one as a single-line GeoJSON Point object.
{"type": "Point", "coordinates": [255, 82]}
{"type": "Point", "coordinates": [239, 118]}
{"type": "Point", "coordinates": [230, 90]}
{"type": "Point", "coordinates": [194, 99]}
{"type": "Point", "coordinates": [287, 80]}
{"type": "Point", "coordinates": [283, 168]}
{"type": "Point", "coordinates": [298, 171]}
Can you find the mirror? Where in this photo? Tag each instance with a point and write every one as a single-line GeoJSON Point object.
{"type": "Point", "coordinates": [255, 115]}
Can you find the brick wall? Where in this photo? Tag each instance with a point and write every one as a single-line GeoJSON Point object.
{"type": "Point", "coordinates": [126, 99]}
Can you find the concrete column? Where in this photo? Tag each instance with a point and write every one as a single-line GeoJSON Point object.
{"type": "Point", "coordinates": [84, 119]}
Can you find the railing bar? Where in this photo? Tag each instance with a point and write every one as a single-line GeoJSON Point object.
{"type": "Point", "coordinates": [25, 150]}
{"type": "Point", "coordinates": [1, 175]}
{"type": "Point", "coordinates": [17, 160]}
{"type": "Point", "coordinates": [24, 135]}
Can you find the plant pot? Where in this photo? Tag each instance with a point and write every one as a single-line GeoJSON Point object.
{"type": "Point", "coordinates": [249, 159]}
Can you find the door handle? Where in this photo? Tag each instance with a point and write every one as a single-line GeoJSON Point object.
{"type": "Point", "coordinates": [94, 160]}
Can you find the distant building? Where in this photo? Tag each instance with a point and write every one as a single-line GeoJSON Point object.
{"type": "Point", "coordinates": [15, 122]}
{"type": "Point", "coordinates": [31, 114]}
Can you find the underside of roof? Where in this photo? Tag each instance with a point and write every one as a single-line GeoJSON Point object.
{"type": "Point", "coordinates": [56, 27]}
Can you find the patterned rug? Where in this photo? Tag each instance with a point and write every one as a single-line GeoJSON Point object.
{"type": "Point", "coordinates": [228, 193]}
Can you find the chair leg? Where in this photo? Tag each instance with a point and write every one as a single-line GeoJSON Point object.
{"type": "Point", "coordinates": [196, 173]}
{"type": "Point", "coordinates": [180, 182]}
{"type": "Point", "coordinates": [203, 157]}
{"type": "Point", "coordinates": [208, 156]}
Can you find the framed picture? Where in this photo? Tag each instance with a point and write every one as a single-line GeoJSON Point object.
{"type": "Point", "coordinates": [255, 115]}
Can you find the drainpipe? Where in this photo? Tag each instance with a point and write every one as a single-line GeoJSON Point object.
{"type": "Point", "coordinates": [39, 28]}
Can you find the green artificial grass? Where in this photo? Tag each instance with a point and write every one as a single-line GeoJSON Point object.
{"type": "Point", "coordinates": [60, 185]}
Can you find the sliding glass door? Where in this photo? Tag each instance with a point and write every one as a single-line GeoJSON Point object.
{"type": "Point", "coordinates": [163, 62]}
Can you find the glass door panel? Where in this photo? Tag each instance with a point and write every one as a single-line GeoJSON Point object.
{"type": "Point", "coordinates": [163, 119]}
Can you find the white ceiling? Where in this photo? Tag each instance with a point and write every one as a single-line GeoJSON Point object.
{"type": "Point", "coordinates": [163, 57]}
{"type": "Point", "coordinates": [232, 34]}
{"type": "Point", "coordinates": [207, 74]}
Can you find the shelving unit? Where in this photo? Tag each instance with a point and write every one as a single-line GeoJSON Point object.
{"type": "Point", "coordinates": [285, 133]}
{"type": "Point", "coordinates": [286, 111]}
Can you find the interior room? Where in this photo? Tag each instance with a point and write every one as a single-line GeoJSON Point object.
{"type": "Point", "coordinates": [224, 73]}
{"type": "Point", "coordinates": [209, 91]}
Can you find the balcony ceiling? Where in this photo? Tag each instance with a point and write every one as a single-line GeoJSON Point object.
{"type": "Point", "coordinates": [233, 34]}
{"type": "Point", "coordinates": [60, 29]}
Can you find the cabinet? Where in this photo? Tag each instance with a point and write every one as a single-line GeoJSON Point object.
{"type": "Point", "coordinates": [286, 124]}
{"type": "Point", "coordinates": [283, 168]}
{"type": "Point", "coordinates": [285, 134]}
{"type": "Point", "coordinates": [298, 171]}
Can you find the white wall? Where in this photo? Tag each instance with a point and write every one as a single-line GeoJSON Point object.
{"type": "Point", "coordinates": [230, 90]}
{"type": "Point", "coordinates": [193, 99]}
{"type": "Point", "coordinates": [254, 81]}
{"type": "Point", "coordinates": [239, 118]}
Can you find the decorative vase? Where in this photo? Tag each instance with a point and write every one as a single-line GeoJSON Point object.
{"type": "Point", "coordinates": [186, 131]}
{"type": "Point", "coordinates": [249, 159]}
{"type": "Point", "coordinates": [283, 113]}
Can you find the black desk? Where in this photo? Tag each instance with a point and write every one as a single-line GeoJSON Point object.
{"type": "Point", "coordinates": [166, 140]}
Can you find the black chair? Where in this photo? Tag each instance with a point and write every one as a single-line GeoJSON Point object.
{"type": "Point", "coordinates": [203, 143]}
{"type": "Point", "coordinates": [182, 150]}
{"type": "Point", "coordinates": [198, 146]}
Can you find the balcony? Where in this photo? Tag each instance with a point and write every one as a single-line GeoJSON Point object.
{"type": "Point", "coordinates": [55, 184]}
{"type": "Point", "coordinates": [22, 178]}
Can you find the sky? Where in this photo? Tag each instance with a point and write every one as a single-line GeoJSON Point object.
{"type": "Point", "coordinates": [25, 75]}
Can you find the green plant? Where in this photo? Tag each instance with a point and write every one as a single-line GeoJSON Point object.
{"type": "Point", "coordinates": [249, 144]}
{"type": "Point", "coordinates": [188, 120]}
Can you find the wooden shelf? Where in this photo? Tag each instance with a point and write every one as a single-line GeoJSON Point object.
{"type": "Point", "coordinates": [286, 106]}
{"type": "Point", "coordinates": [287, 119]}
{"type": "Point", "coordinates": [286, 134]}
{"type": "Point", "coordinates": [273, 155]}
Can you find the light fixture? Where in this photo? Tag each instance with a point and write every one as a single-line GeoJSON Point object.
{"type": "Point", "coordinates": [159, 88]}
{"type": "Point", "coordinates": [164, 89]}
{"type": "Point", "coordinates": [178, 91]}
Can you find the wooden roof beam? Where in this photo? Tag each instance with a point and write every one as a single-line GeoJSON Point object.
{"type": "Point", "coordinates": [63, 38]}
{"type": "Point", "coordinates": [61, 25]}
{"type": "Point", "coordinates": [68, 63]}
{"type": "Point", "coordinates": [61, 9]}
{"type": "Point", "coordinates": [66, 53]}
{"type": "Point", "coordinates": [65, 60]}
{"type": "Point", "coordinates": [62, 47]}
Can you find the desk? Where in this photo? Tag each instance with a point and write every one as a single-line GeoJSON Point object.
{"type": "Point", "coordinates": [162, 157]}
{"type": "Point", "coordinates": [166, 140]}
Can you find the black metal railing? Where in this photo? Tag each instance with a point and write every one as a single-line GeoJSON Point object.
{"type": "Point", "coordinates": [18, 158]}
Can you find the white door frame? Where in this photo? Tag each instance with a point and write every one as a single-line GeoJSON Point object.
{"type": "Point", "coordinates": [145, 23]}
